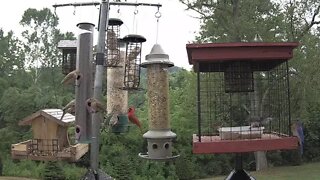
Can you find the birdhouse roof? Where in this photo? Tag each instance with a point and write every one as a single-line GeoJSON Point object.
{"type": "Point", "coordinates": [50, 114]}
{"type": "Point", "coordinates": [240, 51]}
{"type": "Point", "coordinates": [67, 44]}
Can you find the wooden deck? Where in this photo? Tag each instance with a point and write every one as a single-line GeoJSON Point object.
{"type": "Point", "coordinates": [73, 153]}
{"type": "Point", "coordinates": [267, 142]}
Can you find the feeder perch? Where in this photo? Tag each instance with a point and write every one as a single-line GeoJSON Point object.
{"type": "Point", "coordinates": [69, 53]}
{"type": "Point", "coordinates": [159, 136]}
{"type": "Point", "coordinates": [133, 60]}
{"type": "Point", "coordinates": [112, 43]}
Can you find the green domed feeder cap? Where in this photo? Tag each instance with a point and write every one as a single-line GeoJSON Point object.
{"type": "Point", "coordinates": [122, 125]}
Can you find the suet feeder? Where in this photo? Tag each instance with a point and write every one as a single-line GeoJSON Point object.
{"type": "Point", "coordinates": [112, 43]}
{"type": "Point", "coordinates": [243, 98]}
{"type": "Point", "coordinates": [132, 61]}
{"type": "Point", "coordinates": [159, 136]}
{"type": "Point", "coordinates": [69, 54]}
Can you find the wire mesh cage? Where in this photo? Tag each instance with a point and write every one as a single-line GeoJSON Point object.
{"type": "Point", "coordinates": [243, 100]}
{"type": "Point", "coordinates": [112, 43]}
{"type": "Point", "coordinates": [133, 61]}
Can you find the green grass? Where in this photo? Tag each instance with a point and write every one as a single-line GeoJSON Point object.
{"type": "Point", "coordinates": [309, 171]}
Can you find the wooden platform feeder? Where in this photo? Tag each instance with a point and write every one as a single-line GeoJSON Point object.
{"type": "Point", "coordinates": [69, 55]}
{"type": "Point", "coordinates": [50, 141]}
{"type": "Point", "coordinates": [238, 80]}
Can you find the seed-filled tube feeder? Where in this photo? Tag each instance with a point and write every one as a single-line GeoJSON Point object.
{"type": "Point", "coordinates": [69, 53]}
{"type": "Point", "coordinates": [159, 136]}
{"type": "Point", "coordinates": [117, 98]}
{"type": "Point", "coordinates": [132, 61]}
{"type": "Point", "coordinates": [84, 83]}
{"type": "Point", "coordinates": [112, 44]}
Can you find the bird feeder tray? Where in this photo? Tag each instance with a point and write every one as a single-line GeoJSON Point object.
{"type": "Point", "coordinates": [240, 132]}
{"type": "Point", "coordinates": [122, 125]}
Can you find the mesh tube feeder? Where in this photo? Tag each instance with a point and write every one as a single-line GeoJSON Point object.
{"type": "Point", "coordinates": [133, 61]}
{"type": "Point", "coordinates": [159, 136]}
{"type": "Point", "coordinates": [112, 43]}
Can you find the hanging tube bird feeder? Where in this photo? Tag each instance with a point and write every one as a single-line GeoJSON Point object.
{"type": "Point", "coordinates": [112, 43]}
{"type": "Point", "coordinates": [132, 61]}
{"type": "Point", "coordinates": [159, 136]}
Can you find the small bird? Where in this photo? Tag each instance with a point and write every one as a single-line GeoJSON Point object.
{"type": "Point", "coordinates": [257, 121]}
{"type": "Point", "coordinates": [93, 105]}
{"type": "Point", "coordinates": [297, 130]}
{"type": "Point", "coordinates": [132, 117]}
{"type": "Point", "coordinates": [71, 77]}
{"type": "Point", "coordinates": [134, 53]}
{"type": "Point", "coordinates": [69, 108]}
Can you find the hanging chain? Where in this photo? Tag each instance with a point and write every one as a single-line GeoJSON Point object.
{"type": "Point", "coordinates": [55, 11]}
{"type": "Point", "coordinates": [74, 10]}
{"type": "Point", "coordinates": [158, 16]}
{"type": "Point", "coordinates": [135, 24]}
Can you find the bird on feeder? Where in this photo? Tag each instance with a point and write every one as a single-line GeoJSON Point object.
{"type": "Point", "coordinates": [71, 77]}
{"type": "Point", "coordinates": [93, 105]}
{"type": "Point", "coordinates": [133, 118]}
{"type": "Point", "coordinates": [134, 53]}
{"type": "Point", "coordinates": [256, 121]}
{"type": "Point", "coordinates": [297, 130]}
{"type": "Point", "coordinates": [69, 108]}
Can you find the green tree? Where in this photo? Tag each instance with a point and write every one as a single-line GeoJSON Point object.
{"type": "Point", "coordinates": [53, 171]}
{"type": "Point", "coordinates": [11, 54]}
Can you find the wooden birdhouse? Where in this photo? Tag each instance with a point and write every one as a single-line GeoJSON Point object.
{"type": "Point", "coordinates": [69, 55]}
{"type": "Point", "coordinates": [50, 139]}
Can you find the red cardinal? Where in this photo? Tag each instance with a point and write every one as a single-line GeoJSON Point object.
{"type": "Point", "coordinates": [133, 118]}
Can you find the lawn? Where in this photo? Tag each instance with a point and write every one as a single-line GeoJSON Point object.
{"type": "Point", "coordinates": [14, 178]}
{"type": "Point", "coordinates": [309, 171]}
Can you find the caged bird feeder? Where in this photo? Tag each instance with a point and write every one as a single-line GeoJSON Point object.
{"type": "Point", "coordinates": [69, 55]}
{"type": "Point", "coordinates": [133, 60]}
{"type": "Point", "coordinates": [242, 97]}
{"type": "Point", "coordinates": [112, 43]}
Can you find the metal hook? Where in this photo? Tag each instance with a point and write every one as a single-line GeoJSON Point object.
{"type": "Point", "coordinates": [136, 12]}
{"type": "Point", "coordinates": [55, 11]}
{"type": "Point", "coordinates": [157, 14]}
{"type": "Point", "coordinates": [74, 10]}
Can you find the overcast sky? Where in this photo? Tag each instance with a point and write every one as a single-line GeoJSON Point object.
{"type": "Point", "coordinates": [177, 27]}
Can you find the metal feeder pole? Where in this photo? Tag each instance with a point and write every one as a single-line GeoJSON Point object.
{"type": "Point", "coordinates": [97, 90]}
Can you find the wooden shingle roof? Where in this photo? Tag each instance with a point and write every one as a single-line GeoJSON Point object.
{"type": "Point", "coordinates": [50, 114]}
